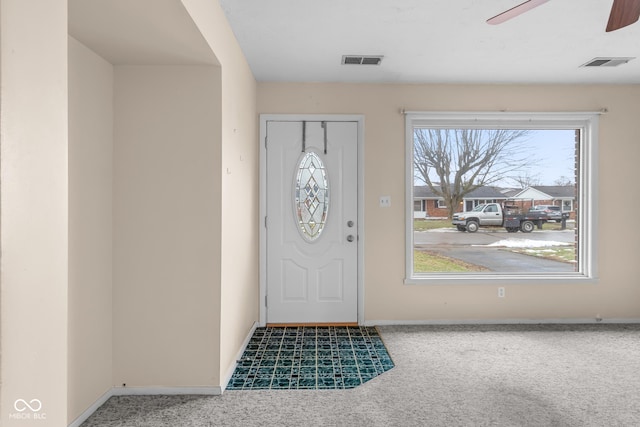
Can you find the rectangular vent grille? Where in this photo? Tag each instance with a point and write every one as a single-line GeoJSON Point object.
{"type": "Point", "coordinates": [607, 62]}
{"type": "Point", "coordinates": [362, 59]}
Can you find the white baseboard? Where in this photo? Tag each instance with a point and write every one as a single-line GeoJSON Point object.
{"type": "Point", "coordinates": [91, 409]}
{"type": "Point", "coordinates": [559, 321]}
{"type": "Point", "coordinates": [138, 391]}
{"type": "Point", "coordinates": [232, 368]}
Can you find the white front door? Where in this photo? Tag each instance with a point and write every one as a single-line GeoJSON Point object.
{"type": "Point", "coordinates": [312, 210]}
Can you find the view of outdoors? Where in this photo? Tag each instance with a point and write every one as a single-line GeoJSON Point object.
{"type": "Point", "coordinates": [495, 200]}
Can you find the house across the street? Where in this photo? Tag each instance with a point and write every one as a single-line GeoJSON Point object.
{"type": "Point", "coordinates": [428, 204]}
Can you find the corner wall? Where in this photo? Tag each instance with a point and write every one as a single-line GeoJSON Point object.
{"type": "Point", "coordinates": [166, 226]}
{"type": "Point", "coordinates": [240, 193]}
{"type": "Point", "coordinates": [387, 299]}
{"type": "Point", "coordinates": [240, 208]}
{"type": "Point", "coordinates": [90, 227]}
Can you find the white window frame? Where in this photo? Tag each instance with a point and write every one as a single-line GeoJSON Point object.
{"type": "Point", "coordinates": [586, 122]}
{"type": "Point", "coordinates": [441, 204]}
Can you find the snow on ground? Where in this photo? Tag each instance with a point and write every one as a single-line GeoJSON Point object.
{"type": "Point", "coordinates": [524, 243]}
{"type": "Point", "coordinates": [510, 243]}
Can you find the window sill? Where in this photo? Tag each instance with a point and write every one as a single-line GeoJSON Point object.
{"type": "Point", "coordinates": [493, 279]}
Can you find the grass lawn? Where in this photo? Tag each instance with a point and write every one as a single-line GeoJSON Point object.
{"type": "Point", "coordinates": [561, 253]}
{"type": "Point", "coordinates": [571, 225]}
{"type": "Point", "coordinates": [431, 224]}
{"type": "Point", "coordinates": [431, 262]}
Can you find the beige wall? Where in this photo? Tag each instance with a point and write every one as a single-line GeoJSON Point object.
{"type": "Point", "coordinates": [225, 198]}
{"type": "Point", "coordinates": [239, 173]}
{"type": "Point", "coordinates": [617, 293]}
{"type": "Point", "coordinates": [166, 226]}
{"type": "Point", "coordinates": [119, 248]}
{"type": "Point", "coordinates": [217, 187]}
{"type": "Point", "coordinates": [185, 204]}
{"type": "Point", "coordinates": [34, 207]}
{"type": "Point", "coordinates": [90, 226]}
{"type": "Point", "coordinates": [239, 281]}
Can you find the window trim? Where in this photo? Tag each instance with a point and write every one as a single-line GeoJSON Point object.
{"type": "Point", "coordinates": [588, 124]}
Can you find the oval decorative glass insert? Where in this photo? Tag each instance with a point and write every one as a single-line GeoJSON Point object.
{"type": "Point", "coordinates": [311, 196]}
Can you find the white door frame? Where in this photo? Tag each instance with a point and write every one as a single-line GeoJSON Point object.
{"type": "Point", "coordinates": [264, 118]}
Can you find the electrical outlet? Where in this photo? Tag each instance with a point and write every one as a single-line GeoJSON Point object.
{"type": "Point", "coordinates": [385, 201]}
{"type": "Point", "coordinates": [500, 292]}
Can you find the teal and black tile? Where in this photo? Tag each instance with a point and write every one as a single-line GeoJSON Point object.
{"type": "Point", "coordinates": [310, 358]}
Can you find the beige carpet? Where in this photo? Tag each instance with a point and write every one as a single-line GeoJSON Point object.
{"type": "Point", "coordinates": [444, 376]}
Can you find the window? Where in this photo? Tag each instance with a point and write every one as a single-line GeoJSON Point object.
{"type": "Point", "coordinates": [311, 200]}
{"type": "Point", "coordinates": [488, 170]}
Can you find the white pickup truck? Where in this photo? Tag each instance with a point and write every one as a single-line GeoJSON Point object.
{"type": "Point", "coordinates": [494, 214]}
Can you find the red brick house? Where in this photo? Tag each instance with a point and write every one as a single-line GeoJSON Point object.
{"type": "Point", "coordinates": [426, 204]}
{"type": "Point", "coordinates": [557, 195]}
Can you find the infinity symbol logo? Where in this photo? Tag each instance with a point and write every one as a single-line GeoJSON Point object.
{"type": "Point", "coordinates": [21, 405]}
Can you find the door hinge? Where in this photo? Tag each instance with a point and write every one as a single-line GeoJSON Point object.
{"type": "Point", "coordinates": [265, 221]}
{"type": "Point", "coordinates": [266, 304]}
{"type": "Point", "coordinates": [265, 142]}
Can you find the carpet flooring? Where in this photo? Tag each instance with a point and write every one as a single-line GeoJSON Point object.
{"type": "Point", "coordinates": [310, 358]}
{"type": "Point", "coordinates": [486, 375]}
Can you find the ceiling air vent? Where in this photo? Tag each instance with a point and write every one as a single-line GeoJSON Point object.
{"type": "Point", "coordinates": [607, 62]}
{"type": "Point", "coordinates": [361, 59]}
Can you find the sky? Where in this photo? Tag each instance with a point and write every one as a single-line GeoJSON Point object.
{"type": "Point", "coordinates": [553, 156]}
{"type": "Point", "coordinates": [556, 149]}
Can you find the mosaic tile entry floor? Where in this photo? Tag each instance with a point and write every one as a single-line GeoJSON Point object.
{"type": "Point", "coordinates": [309, 357]}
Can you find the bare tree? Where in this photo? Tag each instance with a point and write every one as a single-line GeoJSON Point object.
{"type": "Point", "coordinates": [525, 180]}
{"type": "Point", "coordinates": [563, 181]}
{"type": "Point", "coordinates": [454, 162]}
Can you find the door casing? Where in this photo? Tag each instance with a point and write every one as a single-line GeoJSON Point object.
{"type": "Point", "coordinates": [264, 118]}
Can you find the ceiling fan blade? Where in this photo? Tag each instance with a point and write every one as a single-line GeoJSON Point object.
{"type": "Point", "coordinates": [515, 11]}
{"type": "Point", "coordinates": [623, 13]}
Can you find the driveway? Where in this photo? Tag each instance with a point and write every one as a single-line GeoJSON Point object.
{"type": "Point", "coordinates": [471, 248]}
{"type": "Point", "coordinates": [485, 236]}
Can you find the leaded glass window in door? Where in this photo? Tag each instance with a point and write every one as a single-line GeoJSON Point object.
{"type": "Point", "coordinates": [311, 196]}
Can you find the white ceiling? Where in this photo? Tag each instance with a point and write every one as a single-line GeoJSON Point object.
{"type": "Point", "coordinates": [431, 41]}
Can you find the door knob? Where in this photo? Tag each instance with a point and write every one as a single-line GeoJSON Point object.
{"type": "Point", "coordinates": [349, 224]}
{"type": "Point", "coordinates": [350, 238]}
